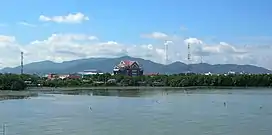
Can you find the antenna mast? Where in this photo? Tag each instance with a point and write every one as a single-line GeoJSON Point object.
{"type": "Point", "coordinates": [189, 58]}
{"type": "Point", "coordinates": [22, 62]}
{"type": "Point", "coordinates": [166, 52]}
{"type": "Point", "coordinates": [4, 129]}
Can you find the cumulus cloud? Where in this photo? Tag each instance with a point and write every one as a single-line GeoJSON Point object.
{"type": "Point", "coordinates": [168, 42]}
{"type": "Point", "coordinates": [6, 39]}
{"type": "Point", "coordinates": [68, 46]}
{"type": "Point", "coordinates": [162, 37]}
{"type": "Point", "coordinates": [193, 41]}
{"type": "Point", "coordinates": [70, 18]}
{"type": "Point", "coordinates": [63, 47]}
{"type": "Point", "coordinates": [156, 35]}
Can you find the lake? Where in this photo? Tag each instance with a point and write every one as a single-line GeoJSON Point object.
{"type": "Point", "coordinates": [141, 112]}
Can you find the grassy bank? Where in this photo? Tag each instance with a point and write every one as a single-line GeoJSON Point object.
{"type": "Point", "coordinates": [4, 95]}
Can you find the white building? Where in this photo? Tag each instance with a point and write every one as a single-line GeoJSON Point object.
{"type": "Point", "coordinates": [90, 72]}
{"type": "Point", "coordinates": [209, 73]}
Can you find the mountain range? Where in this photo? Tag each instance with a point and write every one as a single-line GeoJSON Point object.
{"type": "Point", "coordinates": [107, 64]}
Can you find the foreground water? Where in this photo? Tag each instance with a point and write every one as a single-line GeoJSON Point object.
{"type": "Point", "coordinates": [247, 112]}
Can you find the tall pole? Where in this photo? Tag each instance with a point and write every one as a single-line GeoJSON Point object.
{"type": "Point", "coordinates": [189, 58]}
{"type": "Point", "coordinates": [4, 129]}
{"type": "Point", "coordinates": [22, 62]}
{"type": "Point", "coordinates": [166, 52]}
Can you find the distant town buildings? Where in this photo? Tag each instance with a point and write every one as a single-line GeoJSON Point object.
{"type": "Point", "coordinates": [127, 67]}
{"type": "Point", "coordinates": [51, 76]}
{"type": "Point", "coordinates": [228, 73]}
{"type": "Point", "coordinates": [77, 75]}
{"type": "Point", "coordinates": [90, 72]}
{"type": "Point", "coordinates": [209, 73]}
{"type": "Point", "coordinates": [57, 76]}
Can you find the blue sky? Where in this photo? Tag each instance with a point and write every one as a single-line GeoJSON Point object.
{"type": "Point", "coordinates": [124, 20]}
{"type": "Point", "coordinates": [221, 27]}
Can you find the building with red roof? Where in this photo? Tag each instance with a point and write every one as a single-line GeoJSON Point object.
{"type": "Point", "coordinates": [127, 67]}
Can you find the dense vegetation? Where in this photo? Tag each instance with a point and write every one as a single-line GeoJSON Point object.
{"type": "Point", "coordinates": [20, 82]}
{"type": "Point", "coordinates": [12, 82]}
{"type": "Point", "coordinates": [180, 80]}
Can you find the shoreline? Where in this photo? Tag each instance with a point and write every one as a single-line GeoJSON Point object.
{"type": "Point", "coordinates": [134, 88]}
{"type": "Point", "coordinates": [34, 91]}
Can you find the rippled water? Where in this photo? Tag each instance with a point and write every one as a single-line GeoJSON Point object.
{"type": "Point", "coordinates": [247, 112]}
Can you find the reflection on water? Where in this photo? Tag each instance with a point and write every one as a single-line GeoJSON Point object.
{"type": "Point", "coordinates": [6, 95]}
{"type": "Point", "coordinates": [130, 92]}
{"type": "Point", "coordinates": [105, 92]}
{"type": "Point", "coordinates": [149, 92]}
{"type": "Point", "coordinates": [13, 97]}
{"type": "Point", "coordinates": [145, 112]}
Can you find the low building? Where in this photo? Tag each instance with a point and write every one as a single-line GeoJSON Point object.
{"type": "Point", "coordinates": [127, 67]}
{"type": "Point", "coordinates": [231, 73]}
{"type": "Point", "coordinates": [52, 76]}
{"type": "Point", "coordinates": [90, 72]}
{"type": "Point", "coordinates": [63, 76]}
{"type": "Point", "coordinates": [68, 76]}
{"type": "Point", "coordinates": [209, 73]}
{"type": "Point", "coordinates": [73, 76]}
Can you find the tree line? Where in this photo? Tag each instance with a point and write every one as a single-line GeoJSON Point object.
{"type": "Point", "coordinates": [21, 82]}
{"type": "Point", "coordinates": [12, 82]}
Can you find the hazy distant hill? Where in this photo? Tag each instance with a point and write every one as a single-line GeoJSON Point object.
{"type": "Point", "coordinates": [107, 64]}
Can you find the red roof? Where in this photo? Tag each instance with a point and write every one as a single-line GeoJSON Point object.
{"type": "Point", "coordinates": [74, 77]}
{"type": "Point", "coordinates": [128, 62]}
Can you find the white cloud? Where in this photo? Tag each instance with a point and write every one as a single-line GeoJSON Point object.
{"type": "Point", "coordinates": [156, 35]}
{"type": "Point", "coordinates": [67, 46]}
{"type": "Point", "coordinates": [62, 47]}
{"type": "Point", "coordinates": [193, 41]}
{"type": "Point", "coordinates": [27, 24]}
{"type": "Point", "coordinates": [6, 39]}
{"type": "Point", "coordinates": [162, 37]}
{"type": "Point", "coordinates": [70, 18]}
{"type": "Point", "coordinates": [168, 42]}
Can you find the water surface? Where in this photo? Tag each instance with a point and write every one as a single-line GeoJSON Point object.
{"type": "Point", "coordinates": [247, 112]}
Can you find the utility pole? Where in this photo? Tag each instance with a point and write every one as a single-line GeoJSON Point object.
{"type": "Point", "coordinates": [189, 58]}
{"type": "Point", "coordinates": [166, 52]}
{"type": "Point", "coordinates": [4, 129]}
{"type": "Point", "coordinates": [22, 63]}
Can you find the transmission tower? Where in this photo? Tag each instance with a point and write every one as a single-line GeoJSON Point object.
{"type": "Point", "coordinates": [166, 52]}
{"type": "Point", "coordinates": [22, 62]}
{"type": "Point", "coordinates": [4, 129]}
{"type": "Point", "coordinates": [189, 58]}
